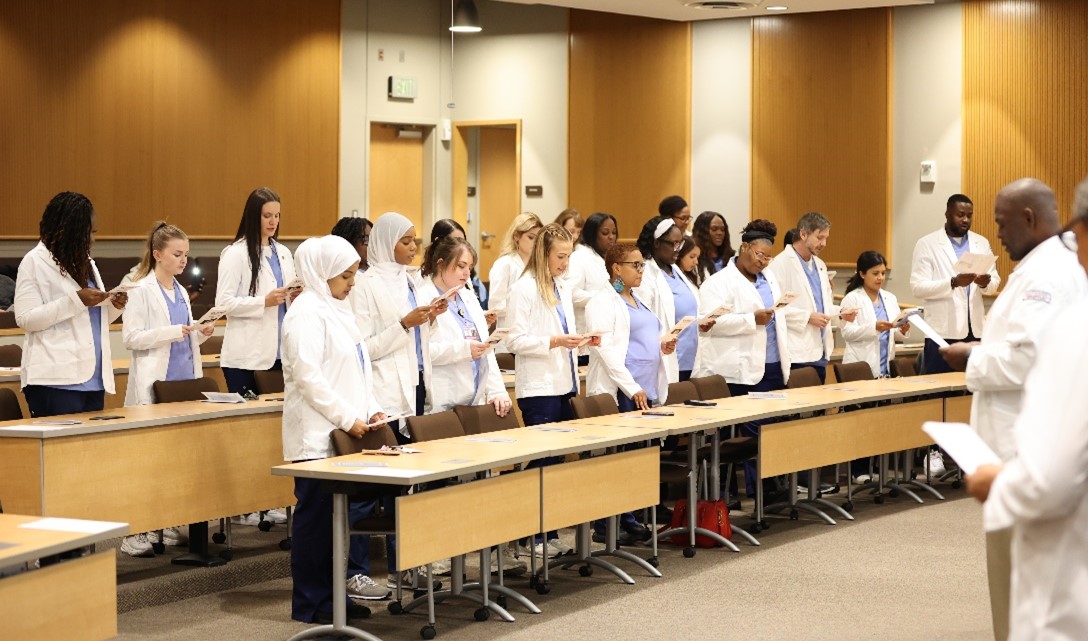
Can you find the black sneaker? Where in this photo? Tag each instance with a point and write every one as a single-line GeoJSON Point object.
{"type": "Point", "coordinates": [638, 531]}
{"type": "Point", "coordinates": [356, 612]}
{"type": "Point", "coordinates": [664, 514]}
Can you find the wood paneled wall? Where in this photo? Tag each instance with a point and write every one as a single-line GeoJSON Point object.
{"type": "Point", "coordinates": [821, 134]}
{"type": "Point", "coordinates": [162, 108]}
{"type": "Point", "coordinates": [1025, 91]}
{"type": "Point", "coordinates": [630, 116]}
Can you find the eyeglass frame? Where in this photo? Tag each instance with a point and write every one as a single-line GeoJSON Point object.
{"type": "Point", "coordinates": [639, 265]}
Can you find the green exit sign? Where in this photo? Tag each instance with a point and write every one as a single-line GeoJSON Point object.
{"type": "Point", "coordinates": [402, 87]}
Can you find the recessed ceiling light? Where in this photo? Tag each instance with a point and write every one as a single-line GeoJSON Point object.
{"type": "Point", "coordinates": [778, 7]}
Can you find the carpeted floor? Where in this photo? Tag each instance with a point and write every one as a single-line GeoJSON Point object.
{"type": "Point", "coordinates": [900, 572]}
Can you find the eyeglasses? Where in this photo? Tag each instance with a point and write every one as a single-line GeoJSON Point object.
{"type": "Point", "coordinates": [766, 258]}
{"type": "Point", "coordinates": [677, 246]}
{"type": "Point", "coordinates": [1069, 239]}
{"type": "Point", "coordinates": [639, 265]}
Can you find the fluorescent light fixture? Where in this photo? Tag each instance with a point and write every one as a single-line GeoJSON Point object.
{"type": "Point", "coordinates": [466, 19]}
{"type": "Point", "coordinates": [778, 7]}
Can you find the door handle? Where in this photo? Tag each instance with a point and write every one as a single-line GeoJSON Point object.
{"type": "Point", "coordinates": [486, 236]}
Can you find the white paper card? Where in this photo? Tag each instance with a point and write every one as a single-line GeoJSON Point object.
{"type": "Point", "coordinates": [963, 444]}
{"type": "Point", "coordinates": [391, 472]}
{"type": "Point", "coordinates": [296, 283]}
{"type": "Point", "coordinates": [449, 293]}
{"type": "Point", "coordinates": [58, 421]}
{"type": "Point", "coordinates": [927, 329]}
{"type": "Point", "coordinates": [975, 263]}
{"type": "Point", "coordinates": [681, 325]}
{"type": "Point", "coordinates": [498, 336]}
{"type": "Point", "coordinates": [390, 419]}
{"type": "Point", "coordinates": [122, 288]}
{"type": "Point", "coordinates": [590, 336]}
{"type": "Point", "coordinates": [904, 317]}
{"type": "Point", "coordinates": [211, 316]}
{"type": "Point", "coordinates": [831, 275]}
{"type": "Point", "coordinates": [223, 397]}
{"type": "Point", "coordinates": [717, 313]}
{"type": "Point", "coordinates": [550, 428]}
{"type": "Point", "coordinates": [768, 396]}
{"type": "Point", "coordinates": [72, 525]}
{"type": "Point", "coordinates": [785, 299]}
{"type": "Point", "coordinates": [490, 439]}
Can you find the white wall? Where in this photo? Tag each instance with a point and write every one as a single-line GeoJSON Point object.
{"type": "Point", "coordinates": [928, 99]}
{"type": "Point", "coordinates": [721, 121]}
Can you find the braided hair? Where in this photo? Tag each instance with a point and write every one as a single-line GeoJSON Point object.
{"type": "Point", "coordinates": [65, 230]}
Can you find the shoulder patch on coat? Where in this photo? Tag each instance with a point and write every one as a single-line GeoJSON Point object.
{"type": "Point", "coordinates": [1038, 296]}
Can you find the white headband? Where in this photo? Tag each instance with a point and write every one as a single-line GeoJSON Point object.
{"type": "Point", "coordinates": [663, 228]}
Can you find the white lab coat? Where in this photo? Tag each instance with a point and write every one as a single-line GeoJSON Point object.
{"type": "Point", "coordinates": [861, 338]}
{"type": "Point", "coordinates": [1042, 493]}
{"type": "Point", "coordinates": [539, 370]}
{"type": "Point", "coordinates": [1046, 281]}
{"type": "Point", "coordinates": [607, 364]}
{"type": "Point", "coordinates": [585, 277]}
{"type": "Point", "coordinates": [148, 334]}
{"type": "Point", "coordinates": [736, 347]}
{"type": "Point", "coordinates": [654, 292]}
{"type": "Point", "coordinates": [325, 386]}
{"type": "Point", "coordinates": [804, 339]}
{"type": "Point", "coordinates": [59, 347]}
{"type": "Point", "coordinates": [252, 333]}
{"type": "Point", "coordinates": [378, 311]}
{"type": "Point", "coordinates": [505, 271]}
{"type": "Point", "coordinates": [931, 281]}
{"type": "Point", "coordinates": [451, 358]}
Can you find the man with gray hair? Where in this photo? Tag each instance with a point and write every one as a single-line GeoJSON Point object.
{"type": "Point", "coordinates": [1047, 280]}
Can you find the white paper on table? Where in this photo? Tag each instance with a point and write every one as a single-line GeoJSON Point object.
{"type": "Point", "coordinates": [975, 263]}
{"type": "Point", "coordinates": [963, 444]}
{"type": "Point", "coordinates": [552, 428]}
{"type": "Point", "coordinates": [56, 524]}
{"type": "Point", "coordinates": [211, 316]}
{"type": "Point", "coordinates": [590, 336]}
{"type": "Point", "coordinates": [717, 313]}
{"type": "Point", "coordinates": [58, 421]}
{"type": "Point", "coordinates": [490, 439]}
{"type": "Point", "coordinates": [392, 472]}
{"type": "Point", "coordinates": [498, 336]}
{"type": "Point", "coordinates": [223, 397]}
{"type": "Point", "coordinates": [768, 396]}
{"type": "Point", "coordinates": [681, 325]}
{"type": "Point", "coordinates": [785, 299]}
{"type": "Point", "coordinates": [927, 329]}
{"type": "Point", "coordinates": [9, 369]}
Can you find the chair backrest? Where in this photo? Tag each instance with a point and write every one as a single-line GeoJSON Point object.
{"type": "Point", "coordinates": [711, 387]}
{"type": "Point", "coordinates": [859, 371]}
{"type": "Point", "coordinates": [682, 391]}
{"type": "Point", "coordinates": [178, 391]}
{"type": "Point", "coordinates": [478, 419]}
{"type": "Point", "coordinates": [7, 320]}
{"type": "Point", "coordinates": [269, 381]}
{"type": "Point", "coordinates": [9, 406]}
{"type": "Point", "coordinates": [804, 377]}
{"type": "Point", "coordinates": [344, 443]}
{"type": "Point", "coordinates": [903, 366]}
{"type": "Point", "coordinates": [596, 405]}
{"type": "Point", "coordinates": [11, 356]}
{"type": "Point", "coordinates": [505, 361]}
{"type": "Point", "coordinates": [213, 345]}
{"type": "Point", "coordinates": [431, 427]}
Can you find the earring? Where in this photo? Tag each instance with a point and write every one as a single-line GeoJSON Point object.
{"type": "Point", "coordinates": [617, 284]}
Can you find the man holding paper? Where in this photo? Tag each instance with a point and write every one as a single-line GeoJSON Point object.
{"type": "Point", "coordinates": [1046, 281]}
{"type": "Point", "coordinates": [952, 297]}
{"type": "Point", "coordinates": [810, 315]}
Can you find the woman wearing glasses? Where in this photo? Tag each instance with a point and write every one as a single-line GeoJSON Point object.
{"type": "Point", "coordinates": [667, 292]}
{"type": "Point", "coordinates": [748, 345]}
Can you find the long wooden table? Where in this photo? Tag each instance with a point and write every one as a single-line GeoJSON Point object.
{"type": "Point", "coordinates": [36, 605]}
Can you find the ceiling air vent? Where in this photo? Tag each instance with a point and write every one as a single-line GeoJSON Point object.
{"type": "Point", "coordinates": [720, 5]}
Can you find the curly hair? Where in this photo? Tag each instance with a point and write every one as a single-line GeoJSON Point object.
{"type": "Point", "coordinates": [65, 230]}
{"type": "Point", "coordinates": [759, 229]}
{"type": "Point", "coordinates": [707, 250]}
{"type": "Point", "coordinates": [646, 238]}
{"type": "Point", "coordinates": [352, 229]}
{"type": "Point", "coordinates": [616, 254]}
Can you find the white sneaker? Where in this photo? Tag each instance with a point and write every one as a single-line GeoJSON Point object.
{"type": "Point", "coordinates": [543, 550]}
{"type": "Point", "coordinates": [935, 461]}
{"type": "Point", "coordinates": [175, 536]}
{"type": "Point", "coordinates": [511, 564]}
{"type": "Point", "coordinates": [408, 579]}
{"type": "Point", "coordinates": [862, 479]}
{"type": "Point", "coordinates": [276, 517]}
{"type": "Point", "coordinates": [251, 519]}
{"type": "Point", "coordinates": [361, 586]}
{"type": "Point", "coordinates": [441, 568]}
{"type": "Point", "coordinates": [137, 545]}
{"type": "Point", "coordinates": [560, 547]}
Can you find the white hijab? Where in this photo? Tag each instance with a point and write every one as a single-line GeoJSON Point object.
{"type": "Point", "coordinates": [317, 260]}
{"type": "Point", "coordinates": [387, 231]}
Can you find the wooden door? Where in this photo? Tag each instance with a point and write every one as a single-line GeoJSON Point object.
{"type": "Point", "coordinates": [498, 191]}
{"type": "Point", "coordinates": [396, 173]}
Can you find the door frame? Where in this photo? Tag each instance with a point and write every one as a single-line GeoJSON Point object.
{"type": "Point", "coordinates": [460, 165]}
{"type": "Point", "coordinates": [430, 168]}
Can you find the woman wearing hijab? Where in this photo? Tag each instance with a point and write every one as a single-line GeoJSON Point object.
{"type": "Point", "coordinates": [328, 384]}
{"type": "Point", "coordinates": [393, 322]}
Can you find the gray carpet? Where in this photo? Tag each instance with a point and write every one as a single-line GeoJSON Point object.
{"type": "Point", "coordinates": [900, 572]}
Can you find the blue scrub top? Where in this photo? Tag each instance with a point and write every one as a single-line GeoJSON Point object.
{"type": "Point", "coordinates": [813, 276]}
{"type": "Point", "coordinates": [468, 330]}
{"type": "Point", "coordinates": [94, 383]}
{"type": "Point", "coordinates": [277, 272]}
{"type": "Point", "coordinates": [643, 348]}
{"type": "Point", "coordinates": [566, 330]}
{"type": "Point", "coordinates": [180, 367]}
{"type": "Point", "coordinates": [686, 304]}
{"type": "Point", "coordinates": [882, 314]}
{"type": "Point", "coordinates": [763, 286]}
{"type": "Point", "coordinates": [415, 330]}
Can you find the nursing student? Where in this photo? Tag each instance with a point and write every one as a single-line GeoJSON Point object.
{"type": "Point", "coordinates": [586, 275]}
{"type": "Point", "coordinates": [668, 292]}
{"type": "Point", "coordinates": [749, 345]}
{"type": "Point", "coordinates": [328, 385]}
{"type": "Point", "coordinates": [395, 320]}
{"type": "Point", "coordinates": [160, 335]}
{"type": "Point", "coordinates": [711, 234]}
{"type": "Point", "coordinates": [62, 305]}
{"type": "Point", "coordinates": [517, 245]}
{"type": "Point", "coordinates": [356, 231]}
{"type": "Point", "coordinates": [540, 312]}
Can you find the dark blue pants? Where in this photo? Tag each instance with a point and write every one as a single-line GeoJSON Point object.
{"type": "Point", "coordinates": [49, 401]}
{"type": "Point", "coordinates": [359, 547]}
{"type": "Point", "coordinates": [772, 380]}
{"type": "Point", "coordinates": [933, 362]}
{"type": "Point", "coordinates": [240, 380]}
{"type": "Point", "coordinates": [538, 410]}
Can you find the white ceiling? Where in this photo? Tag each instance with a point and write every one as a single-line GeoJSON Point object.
{"type": "Point", "coordinates": [675, 9]}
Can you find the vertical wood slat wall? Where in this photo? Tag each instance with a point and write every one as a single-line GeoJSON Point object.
{"type": "Point", "coordinates": [821, 138]}
{"type": "Point", "coordinates": [630, 116]}
{"type": "Point", "coordinates": [1025, 92]}
{"type": "Point", "coordinates": [162, 109]}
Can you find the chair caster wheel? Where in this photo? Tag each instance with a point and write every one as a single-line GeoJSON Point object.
{"type": "Point", "coordinates": [418, 593]}
{"type": "Point", "coordinates": [585, 570]}
{"type": "Point", "coordinates": [285, 544]}
{"type": "Point", "coordinates": [794, 515]}
{"type": "Point", "coordinates": [543, 588]}
{"type": "Point", "coordinates": [428, 632]}
{"type": "Point", "coordinates": [689, 552]}
{"type": "Point", "coordinates": [534, 581]}
{"type": "Point", "coordinates": [264, 526]}
{"type": "Point", "coordinates": [226, 555]}
{"type": "Point", "coordinates": [756, 528]}
{"type": "Point", "coordinates": [481, 614]}
{"type": "Point", "coordinates": [878, 499]}
{"type": "Point", "coordinates": [848, 506]}
{"type": "Point", "coordinates": [219, 538]}
{"type": "Point", "coordinates": [893, 493]}
{"type": "Point", "coordinates": [957, 484]}
{"type": "Point", "coordinates": [395, 608]}
{"type": "Point", "coordinates": [501, 601]}
{"type": "Point", "coordinates": [653, 562]}
{"type": "Point", "coordinates": [159, 548]}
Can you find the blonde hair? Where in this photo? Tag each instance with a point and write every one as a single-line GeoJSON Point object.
{"type": "Point", "coordinates": [162, 233]}
{"type": "Point", "coordinates": [537, 267]}
{"type": "Point", "coordinates": [525, 222]}
{"type": "Point", "coordinates": [568, 214]}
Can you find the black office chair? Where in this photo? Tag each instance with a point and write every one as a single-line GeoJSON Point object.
{"type": "Point", "coordinates": [268, 381]}
{"type": "Point", "coordinates": [213, 345]}
{"type": "Point", "coordinates": [680, 392]}
{"type": "Point", "coordinates": [505, 361]}
{"type": "Point", "coordinates": [431, 427]}
{"type": "Point", "coordinates": [596, 405]}
{"type": "Point", "coordinates": [902, 366]}
{"type": "Point", "coordinates": [11, 356]}
{"type": "Point", "coordinates": [480, 419]}
{"type": "Point", "coordinates": [181, 391]}
{"type": "Point", "coordinates": [9, 406]}
{"type": "Point", "coordinates": [711, 388]}
{"type": "Point", "coordinates": [846, 373]}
